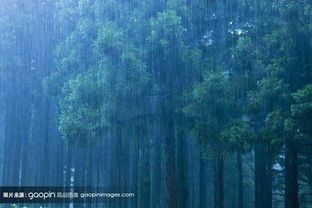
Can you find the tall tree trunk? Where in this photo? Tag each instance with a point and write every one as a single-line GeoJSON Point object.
{"type": "Point", "coordinates": [88, 170]}
{"type": "Point", "coordinates": [263, 176]}
{"type": "Point", "coordinates": [30, 173]}
{"type": "Point", "coordinates": [170, 157]}
{"type": "Point", "coordinates": [240, 180]}
{"type": "Point", "coordinates": [45, 158]}
{"type": "Point", "coordinates": [202, 184]}
{"type": "Point", "coordinates": [269, 178]}
{"type": "Point", "coordinates": [136, 172]}
{"type": "Point", "coordinates": [259, 175]}
{"type": "Point", "coordinates": [145, 169]}
{"type": "Point", "coordinates": [116, 164]}
{"type": "Point", "coordinates": [79, 175]}
{"type": "Point", "coordinates": [218, 183]}
{"type": "Point", "coordinates": [182, 186]}
{"type": "Point", "coordinates": [156, 171]}
{"type": "Point", "coordinates": [291, 175]}
{"type": "Point", "coordinates": [69, 164]}
{"type": "Point", "coordinates": [13, 130]}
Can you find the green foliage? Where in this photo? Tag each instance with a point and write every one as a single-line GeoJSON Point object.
{"type": "Point", "coordinates": [301, 109]}
{"type": "Point", "coordinates": [209, 95]}
{"type": "Point", "coordinates": [177, 5]}
{"type": "Point", "coordinates": [242, 68]}
{"type": "Point", "coordinates": [273, 130]}
{"type": "Point", "coordinates": [271, 92]}
{"type": "Point", "coordinates": [99, 68]}
{"type": "Point", "coordinates": [115, 52]}
{"type": "Point", "coordinates": [110, 39]}
{"type": "Point", "coordinates": [238, 136]}
{"type": "Point", "coordinates": [167, 30]}
{"type": "Point", "coordinates": [210, 104]}
{"type": "Point", "coordinates": [84, 106]}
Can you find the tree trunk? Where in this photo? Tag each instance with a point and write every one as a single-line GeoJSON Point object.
{"type": "Point", "coordinates": [218, 183]}
{"type": "Point", "coordinates": [240, 180]}
{"type": "Point", "coordinates": [182, 186]}
{"type": "Point", "coordinates": [170, 158]}
{"type": "Point", "coordinates": [202, 184]}
{"type": "Point", "coordinates": [263, 176]}
{"type": "Point", "coordinates": [269, 178]}
{"type": "Point", "coordinates": [30, 173]}
{"type": "Point", "coordinates": [259, 175]}
{"type": "Point", "coordinates": [291, 175]}
{"type": "Point", "coordinates": [116, 164]}
{"type": "Point", "coordinates": [45, 158]}
{"type": "Point", "coordinates": [145, 168]}
{"type": "Point", "coordinates": [156, 172]}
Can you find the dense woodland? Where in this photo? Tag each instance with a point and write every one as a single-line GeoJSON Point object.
{"type": "Point", "coordinates": [186, 103]}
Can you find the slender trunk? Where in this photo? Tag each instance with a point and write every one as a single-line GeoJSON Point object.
{"type": "Point", "coordinates": [182, 186]}
{"type": "Point", "coordinates": [116, 165]}
{"type": "Point", "coordinates": [218, 183]}
{"type": "Point", "coordinates": [12, 132]}
{"type": "Point", "coordinates": [291, 176]}
{"type": "Point", "coordinates": [5, 162]}
{"type": "Point", "coordinates": [145, 169]}
{"type": "Point", "coordinates": [45, 159]}
{"type": "Point", "coordinates": [79, 169]}
{"type": "Point", "coordinates": [69, 165]}
{"type": "Point", "coordinates": [136, 172]}
{"type": "Point", "coordinates": [259, 175]}
{"type": "Point", "coordinates": [156, 173]}
{"type": "Point", "coordinates": [202, 184]}
{"type": "Point", "coordinates": [98, 172]}
{"type": "Point", "coordinates": [30, 159]}
{"type": "Point", "coordinates": [116, 153]}
{"type": "Point", "coordinates": [263, 176]}
{"type": "Point", "coordinates": [88, 170]}
{"type": "Point", "coordinates": [240, 180]}
{"type": "Point", "coordinates": [170, 159]}
{"type": "Point", "coordinates": [269, 179]}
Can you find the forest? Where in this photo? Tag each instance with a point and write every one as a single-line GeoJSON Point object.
{"type": "Point", "coordinates": [185, 103]}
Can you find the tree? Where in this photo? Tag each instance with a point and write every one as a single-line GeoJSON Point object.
{"type": "Point", "coordinates": [168, 50]}
{"type": "Point", "coordinates": [209, 105]}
